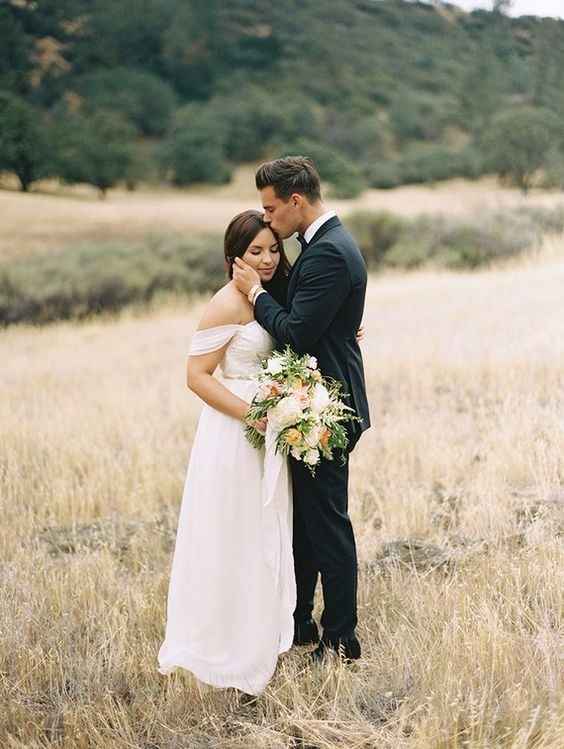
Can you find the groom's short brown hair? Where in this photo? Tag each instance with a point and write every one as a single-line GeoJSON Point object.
{"type": "Point", "coordinates": [290, 174]}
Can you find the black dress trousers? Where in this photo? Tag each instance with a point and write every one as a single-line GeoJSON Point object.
{"type": "Point", "coordinates": [324, 544]}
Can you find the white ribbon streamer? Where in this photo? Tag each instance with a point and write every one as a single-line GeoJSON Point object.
{"type": "Point", "coordinates": [275, 489]}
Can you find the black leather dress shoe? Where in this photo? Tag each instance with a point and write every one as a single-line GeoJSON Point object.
{"type": "Point", "coordinates": [348, 650]}
{"type": "Point", "coordinates": [306, 633]}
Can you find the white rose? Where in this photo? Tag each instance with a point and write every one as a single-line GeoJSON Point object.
{"type": "Point", "coordinates": [312, 439]}
{"type": "Point", "coordinates": [320, 398]}
{"type": "Point", "coordinates": [296, 453]}
{"type": "Point", "coordinates": [274, 365]}
{"type": "Point", "coordinates": [312, 362]}
{"type": "Point", "coordinates": [311, 457]}
{"type": "Point", "coordinates": [285, 412]}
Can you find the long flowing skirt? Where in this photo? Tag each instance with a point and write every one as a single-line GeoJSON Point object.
{"type": "Point", "coordinates": [232, 588]}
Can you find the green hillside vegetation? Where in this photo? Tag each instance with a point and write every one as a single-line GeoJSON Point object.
{"type": "Point", "coordinates": [380, 92]}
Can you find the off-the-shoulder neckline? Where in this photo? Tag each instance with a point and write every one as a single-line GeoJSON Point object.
{"type": "Point", "coordinates": [228, 325]}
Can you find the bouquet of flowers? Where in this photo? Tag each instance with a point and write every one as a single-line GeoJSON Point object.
{"type": "Point", "coordinates": [303, 408]}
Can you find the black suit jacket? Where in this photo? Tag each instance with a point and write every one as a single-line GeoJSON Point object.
{"type": "Point", "coordinates": [325, 303]}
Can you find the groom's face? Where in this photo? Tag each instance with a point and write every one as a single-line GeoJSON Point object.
{"type": "Point", "coordinates": [284, 217]}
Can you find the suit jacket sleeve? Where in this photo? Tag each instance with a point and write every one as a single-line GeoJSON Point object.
{"type": "Point", "coordinates": [322, 286]}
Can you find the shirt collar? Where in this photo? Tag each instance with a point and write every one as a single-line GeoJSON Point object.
{"type": "Point", "coordinates": [313, 227]}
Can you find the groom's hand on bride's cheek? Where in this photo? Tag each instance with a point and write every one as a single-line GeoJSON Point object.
{"type": "Point", "coordinates": [244, 276]}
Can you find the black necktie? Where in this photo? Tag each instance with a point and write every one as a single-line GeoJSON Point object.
{"type": "Point", "coordinates": [302, 241]}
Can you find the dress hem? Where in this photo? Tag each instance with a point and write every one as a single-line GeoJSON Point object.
{"type": "Point", "coordinates": [217, 679]}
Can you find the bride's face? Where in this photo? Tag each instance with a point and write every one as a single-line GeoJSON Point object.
{"type": "Point", "coordinates": [263, 254]}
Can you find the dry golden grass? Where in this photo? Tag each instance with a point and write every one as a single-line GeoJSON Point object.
{"type": "Point", "coordinates": [55, 216]}
{"type": "Point", "coordinates": [457, 497]}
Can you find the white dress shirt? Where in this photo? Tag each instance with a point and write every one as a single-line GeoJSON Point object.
{"type": "Point", "coordinates": [313, 227]}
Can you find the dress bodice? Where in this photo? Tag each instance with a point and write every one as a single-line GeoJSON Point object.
{"type": "Point", "coordinates": [248, 344]}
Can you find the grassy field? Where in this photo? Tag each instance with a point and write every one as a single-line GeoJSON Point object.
{"type": "Point", "coordinates": [457, 498]}
{"type": "Point", "coordinates": [53, 217]}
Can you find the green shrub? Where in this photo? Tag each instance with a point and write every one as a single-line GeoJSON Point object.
{"type": "Point", "coordinates": [423, 165]}
{"type": "Point", "coordinates": [455, 243]}
{"type": "Point", "coordinates": [249, 123]}
{"type": "Point", "coordinates": [361, 138]}
{"type": "Point", "coordinates": [421, 116]}
{"type": "Point", "coordinates": [94, 149]}
{"type": "Point", "coordinates": [24, 140]}
{"type": "Point", "coordinates": [144, 99]}
{"type": "Point", "coordinates": [194, 150]}
{"type": "Point", "coordinates": [384, 175]}
{"type": "Point", "coordinates": [548, 220]}
{"type": "Point", "coordinates": [375, 233]}
{"type": "Point", "coordinates": [437, 163]}
{"type": "Point", "coordinates": [409, 252]}
{"type": "Point", "coordinates": [553, 171]}
{"type": "Point", "coordinates": [386, 240]}
{"type": "Point", "coordinates": [90, 279]}
{"type": "Point", "coordinates": [521, 142]}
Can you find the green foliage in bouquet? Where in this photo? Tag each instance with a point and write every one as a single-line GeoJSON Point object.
{"type": "Point", "coordinates": [304, 409]}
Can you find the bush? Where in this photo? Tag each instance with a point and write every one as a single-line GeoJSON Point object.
{"type": "Point", "coordinates": [95, 149]}
{"type": "Point", "coordinates": [430, 166]}
{"type": "Point", "coordinates": [455, 243]}
{"type": "Point", "coordinates": [553, 171]}
{"type": "Point", "coordinates": [548, 220]}
{"type": "Point", "coordinates": [90, 279]}
{"type": "Point", "coordinates": [250, 123]}
{"type": "Point", "coordinates": [386, 240]}
{"type": "Point", "coordinates": [384, 175]}
{"type": "Point", "coordinates": [143, 167]}
{"type": "Point", "coordinates": [24, 140]}
{"type": "Point", "coordinates": [361, 138]}
{"type": "Point", "coordinates": [375, 233]}
{"type": "Point", "coordinates": [437, 163]}
{"type": "Point", "coordinates": [409, 252]}
{"type": "Point", "coordinates": [144, 99]}
{"type": "Point", "coordinates": [424, 165]}
{"type": "Point", "coordinates": [194, 150]}
{"type": "Point", "coordinates": [520, 142]}
{"type": "Point", "coordinates": [420, 116]}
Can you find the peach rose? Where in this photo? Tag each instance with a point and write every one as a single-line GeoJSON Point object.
{"type": "Point", "coordinates": [293, 437]}
{"type": "Point", "coordinates": [324, 439]}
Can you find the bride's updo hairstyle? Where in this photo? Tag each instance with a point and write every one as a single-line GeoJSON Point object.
{"type": "Point", "coordinates": [242, 229]}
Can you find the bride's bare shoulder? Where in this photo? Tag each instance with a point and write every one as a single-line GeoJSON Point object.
{"type": "Point", "coordinates": [227, 307]}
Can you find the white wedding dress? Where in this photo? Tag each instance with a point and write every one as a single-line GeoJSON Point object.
{"type": "Point", "coordinates": [232, 588]}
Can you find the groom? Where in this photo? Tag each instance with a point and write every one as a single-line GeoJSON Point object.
{"type": "Point", "coordinates": [324, 309]}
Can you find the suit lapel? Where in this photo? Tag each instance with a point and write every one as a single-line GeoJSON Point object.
{"type": "Point", "coordinates": [330, 224]}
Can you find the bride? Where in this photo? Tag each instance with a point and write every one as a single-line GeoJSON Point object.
{"type": "Point", "coordinates": [232, 588]}
{"type": "Point", "coordinates": [229, 613]}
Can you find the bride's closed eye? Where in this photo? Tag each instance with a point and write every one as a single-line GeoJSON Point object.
{"type": "Point", "coordinates": [274, 251]}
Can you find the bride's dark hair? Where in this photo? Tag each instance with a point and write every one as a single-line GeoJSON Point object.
{"type": "Point", "coordinates": [241, 231]}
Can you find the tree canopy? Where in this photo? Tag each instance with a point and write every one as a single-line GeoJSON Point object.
{"type": "Point", "coordinates": [376, 81]}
